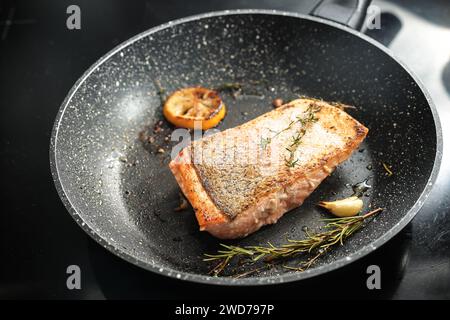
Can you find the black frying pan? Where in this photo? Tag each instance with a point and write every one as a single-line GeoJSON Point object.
{"type": "Point", "coordinates": [120, 191]}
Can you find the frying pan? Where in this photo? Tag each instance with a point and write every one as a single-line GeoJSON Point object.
{"type": "Point", "coordinates": [119, 189]}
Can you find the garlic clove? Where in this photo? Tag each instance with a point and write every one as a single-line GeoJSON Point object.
{"type": "Point", "coordinates": [347, 207]}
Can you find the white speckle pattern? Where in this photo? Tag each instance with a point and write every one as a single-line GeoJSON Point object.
{"type": "Point", "coordinates": [130, 211]}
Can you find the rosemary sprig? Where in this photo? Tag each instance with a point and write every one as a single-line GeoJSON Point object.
{"type": "Point", "coordinates": [338, 230]}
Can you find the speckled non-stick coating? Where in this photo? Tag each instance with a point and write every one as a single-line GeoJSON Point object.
{"type": "Point", "coordinates": [122, 192]}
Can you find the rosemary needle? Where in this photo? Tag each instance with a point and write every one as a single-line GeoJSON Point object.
{"type": "Point", "coordinates": [388, 170]}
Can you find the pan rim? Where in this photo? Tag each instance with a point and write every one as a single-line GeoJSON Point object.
{"type": "Point", "coordinates": [268, 280]}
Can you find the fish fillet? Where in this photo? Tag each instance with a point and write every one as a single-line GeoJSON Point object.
{"type": "Point", "coordinates": [246, 177]}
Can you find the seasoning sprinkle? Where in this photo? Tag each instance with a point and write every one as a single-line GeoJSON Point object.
{"type": "Point", "coordinates": [388, 169]}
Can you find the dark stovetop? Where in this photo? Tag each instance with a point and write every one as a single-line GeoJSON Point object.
{"type": "Point", "coordinates": [40, 59]}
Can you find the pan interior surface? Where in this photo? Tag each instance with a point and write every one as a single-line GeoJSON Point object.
{"type": "Point", "coordinates": [119, 187]}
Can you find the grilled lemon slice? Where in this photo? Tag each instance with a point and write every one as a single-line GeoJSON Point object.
{"type": "Point", "coordinates": [197, 106]}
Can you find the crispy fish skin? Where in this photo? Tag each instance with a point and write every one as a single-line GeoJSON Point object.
{"type": "Point", "coordinates": [237, 184]}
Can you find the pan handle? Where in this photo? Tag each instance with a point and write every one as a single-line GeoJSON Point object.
{"type": "Point", "coordinates": [351, 13]}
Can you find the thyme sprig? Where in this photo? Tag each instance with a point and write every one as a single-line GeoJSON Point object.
{"type": "Point", "coordinates": [307, 118]}
{"type": "Point", "coordinates": [315, 244]}
{"type": "Point", "coordinates": [296, 140]}
{"type": "Point", "coordinates": [265, 142]}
